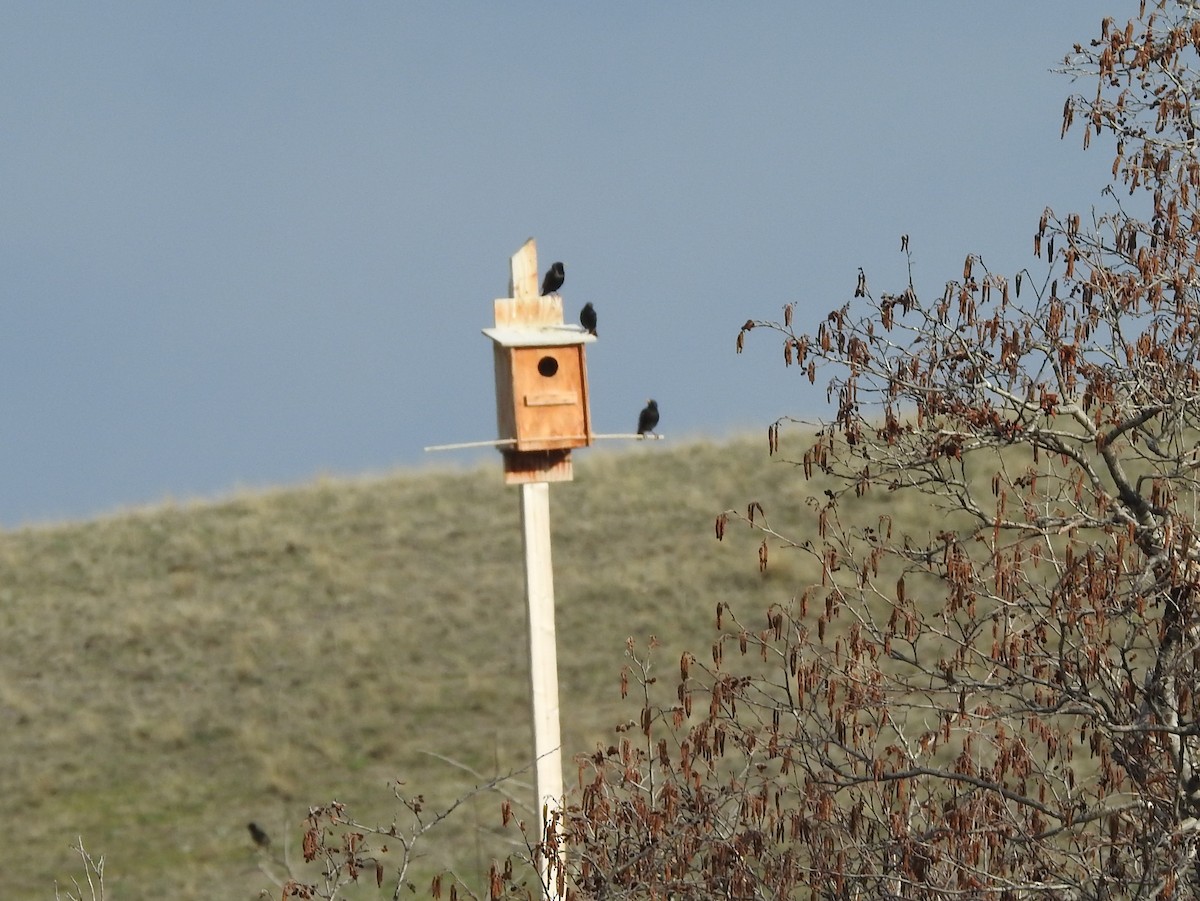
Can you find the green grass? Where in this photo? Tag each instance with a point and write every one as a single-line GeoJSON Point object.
{"type": "Point", "coordinates": [167, 675]}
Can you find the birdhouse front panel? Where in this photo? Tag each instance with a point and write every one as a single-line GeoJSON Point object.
{"type": "Point", "coordinates": [550, 403]}
{"type": "Point", "coordinates": [541, 382]}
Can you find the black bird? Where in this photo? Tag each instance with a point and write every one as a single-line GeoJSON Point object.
{"type": "Point", "coordinates": [648, 418]}
{"type": "Point", "coordinates": [554, 279]}
{"type": "Point", "coordinates": [587, 318]}
{"type": "Point", "coordinates": [260, 837]}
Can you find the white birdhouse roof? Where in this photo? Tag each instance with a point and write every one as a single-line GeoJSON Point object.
{"type": "Point", "coordinates": [540, 336]}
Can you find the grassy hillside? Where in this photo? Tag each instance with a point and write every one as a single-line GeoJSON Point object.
{"type": "Point", "coordinates": [169, 674]}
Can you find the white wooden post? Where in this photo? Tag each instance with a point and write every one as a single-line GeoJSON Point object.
{"type": "Point", "coordinates": [543, 661]}
{"type": "Point", "coordinates": [538, 443]}
{"type": "Point", "coordinates": [527, 312]}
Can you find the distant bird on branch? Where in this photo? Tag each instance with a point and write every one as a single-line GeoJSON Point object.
{"type": "Point", "coordinates": [555, 276]}
{"type": "Point", "coordinates": [587, 318]}
{"type": "Point", "coordinates": [260, 837]}
{"type": "Point", "coordinates": [648, 418]}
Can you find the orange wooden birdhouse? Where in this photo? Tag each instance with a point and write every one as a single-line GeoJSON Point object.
{"type": "Point", "coordinates": [542, 409]}
{"type": "Point", "coordinates": [541, 388]}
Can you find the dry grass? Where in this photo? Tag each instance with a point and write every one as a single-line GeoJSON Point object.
{"type": "Point", "coordinates": [168, 675]}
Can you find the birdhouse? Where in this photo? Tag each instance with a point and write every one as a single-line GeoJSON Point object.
{"type": "Point", "coordinates": [542, 407]}
{"type": "Point", "coordinates": [541, 388]}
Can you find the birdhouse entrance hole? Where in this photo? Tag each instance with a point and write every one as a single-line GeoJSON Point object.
{"type": "Point", "coordinates": [548, 366]}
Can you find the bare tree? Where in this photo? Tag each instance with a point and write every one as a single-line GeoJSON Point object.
{"type": "Point", "coordinates": [1003, 705]}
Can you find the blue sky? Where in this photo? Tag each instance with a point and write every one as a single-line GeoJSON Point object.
{"type": "Point", "coordinates": [244, 244]}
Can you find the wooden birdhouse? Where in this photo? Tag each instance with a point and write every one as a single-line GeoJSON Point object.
{"type": "Point", "coordinates": [542, 407]}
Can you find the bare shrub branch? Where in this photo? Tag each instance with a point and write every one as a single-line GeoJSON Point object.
{"type": "Point", "coordinates": [93, 873]}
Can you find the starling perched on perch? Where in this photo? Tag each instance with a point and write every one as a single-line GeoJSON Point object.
{"type": "Point", "coordinates": [260, 837]}
{"type": "Point", "coordinates": [648, 418]}
{"type": "Point", "coordinates": [587, 318]}
{"type": "Point", "coordinates": [554, 279]}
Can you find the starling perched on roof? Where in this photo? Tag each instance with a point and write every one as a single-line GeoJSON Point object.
{"type": "Point", "coordinates": [587, 318]}
{"type": "Point", "coordinates": [554, 279]}
{"type": "Point", "coordinates": [648, 418]}
{"type": "Point", "coordinates": [260, 837]}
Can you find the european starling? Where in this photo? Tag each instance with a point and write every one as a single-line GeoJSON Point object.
{"type": "Point", "coordinates": [587, 318]}
{"type": "Point", "coordinates": [260, 837]}
{"type": "Point", "coordinates": [554, 279]}
{"type": "Point", "coordinates": [648, 418]}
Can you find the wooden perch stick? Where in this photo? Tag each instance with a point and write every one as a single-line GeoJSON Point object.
{"type": "Point", "coordinates": [494, 443]}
